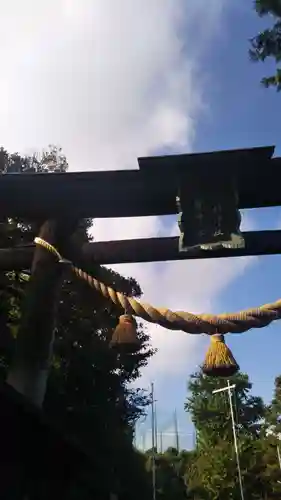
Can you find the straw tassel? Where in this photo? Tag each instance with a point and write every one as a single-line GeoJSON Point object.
{"type": "Point", "coordinates": [125, 334]}
{"type": "Point", "coordinates": [219, 361]}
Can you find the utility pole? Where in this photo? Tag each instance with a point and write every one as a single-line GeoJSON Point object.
{"type": "Point", "coordinates": [195, 439]}
{"type": "Point", "coordinates": [155, 426]}
{"type": "Point", "coordinates": [176, 431]}
{"type": "Point", "coordinates": [153, 443]}
{"type": "Point", "coordinates": [143, 441]}
{"type": "Point", "coordinates": [161, 442]}
{"type": "Point", "coordinates": [279, 455]}
{"type": "Point", "coordinates": [229, 388]}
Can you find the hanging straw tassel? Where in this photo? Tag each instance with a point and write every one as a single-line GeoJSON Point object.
{"type": "Point", "coordinates": [125, 334]}
{"type": "Point", "coordinates": [219, 361]}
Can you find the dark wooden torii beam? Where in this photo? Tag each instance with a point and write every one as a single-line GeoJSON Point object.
{"type": "Point", "coordinates": [151, 190]}
{"type": "Point", "coordinates": [143, 250]}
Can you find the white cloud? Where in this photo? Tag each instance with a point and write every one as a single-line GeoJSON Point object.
{"type": "Point", "coordinates": [106, 79]}
{"type": "Point", "coordinates": [109, 81]}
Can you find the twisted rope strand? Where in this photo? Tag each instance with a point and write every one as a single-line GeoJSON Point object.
{"type": "Point", "coordinates": [180, 320]}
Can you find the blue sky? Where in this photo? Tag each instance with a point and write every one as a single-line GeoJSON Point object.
{"type": "Point", "coordinates": [240, 114]}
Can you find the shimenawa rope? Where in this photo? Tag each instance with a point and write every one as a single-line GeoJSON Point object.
{"type": "Point", "coordinates": [219, 360]}
{"type": "Point", "coordinates": [180, 320]}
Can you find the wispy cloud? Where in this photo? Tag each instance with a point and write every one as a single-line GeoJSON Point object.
{"type": "Point", "coordinates": [110, 81]}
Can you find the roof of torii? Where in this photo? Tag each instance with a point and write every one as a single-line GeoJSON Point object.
{"type": "Point", "coordinates": [150, 190]}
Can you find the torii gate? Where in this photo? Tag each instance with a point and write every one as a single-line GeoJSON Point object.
{"type": "Point", "coordinates": [206, 190]}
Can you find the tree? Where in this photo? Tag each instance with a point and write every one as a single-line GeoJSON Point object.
{"type": "Point", "coordinates": [213, 472]}
{"type": "Point", "coordinates": [271, 441]}
{"type": "Point", "coordinates": [209, 472]}
{"type": "Point", "coordinates": [273, 416]}
{"type": "Point", "coordinates": [210, 413]}
{"type": "Point", "coordinates": [88, 393]}
{"type": "Point", "coordinates": [170, 467]}
{"type": "Point", "coordinates": [267, 44]}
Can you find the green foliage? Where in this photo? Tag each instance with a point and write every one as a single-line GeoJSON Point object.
{"type": "Point", "coordinates": [264, 7]}
{"type": "Point", "coordinates": [51, 160]}
{"type": "Point", "coordinates": [212, 474]}
{"type": "Point", "coordinates": [267, 44]}
{"type": "Point", "coordinates": [210, 413]}
{"type": "Point", "coordinates": [274, 411]}
{"type": "Point", "coordinates": [209, 472]}
{"type": "Point", "coordinates": [170, 468]}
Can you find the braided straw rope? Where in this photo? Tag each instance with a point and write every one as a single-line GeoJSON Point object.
{"type": "Point", "coordinates": [179, 320]}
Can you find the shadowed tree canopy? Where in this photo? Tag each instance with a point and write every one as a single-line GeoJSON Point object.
{"type": "Point", "coordinates": [267, 44]}
{"type": "Point", "coordinates": [170, 469]}
{"type": "Point", "coordinates": [88, 393]}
